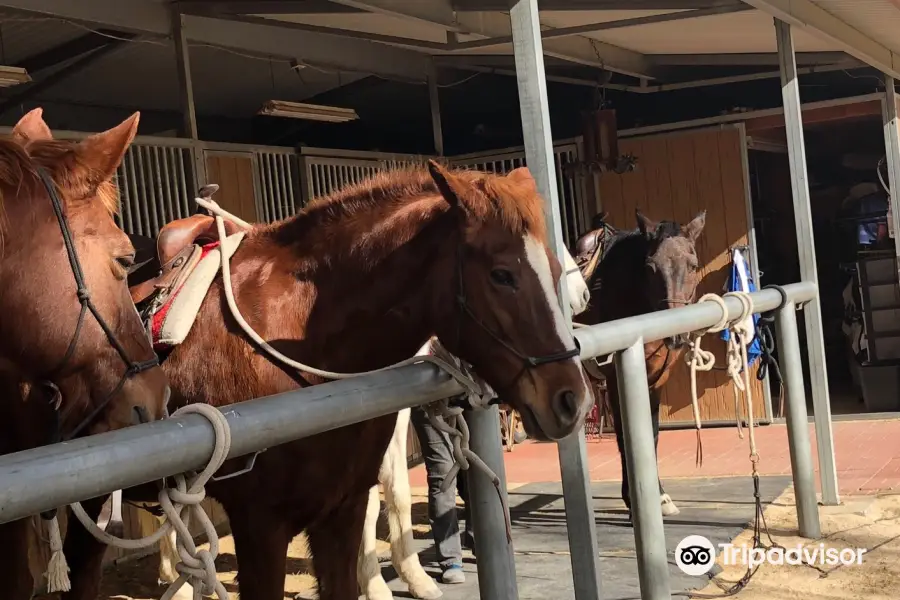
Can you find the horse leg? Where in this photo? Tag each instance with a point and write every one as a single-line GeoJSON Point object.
{"type": "Point", "coordinates": [116, 524]}
{"type": "Point", "coordinates": [84, 554]}
{"type": "Point", "coordinates": [613, 391]}
{"type": "Point", "coordinates": [15, 572]}
{"type": "Point", "coordinates": [668, 507]}
{"type": "Point", "coordinates": [334, 541]}
{"type": "Point", "coordinates": [261, 542]}
{"type": "Point", "coordinates": [398, 497]}
{"type": "Point", "coordinates": [368, 573]}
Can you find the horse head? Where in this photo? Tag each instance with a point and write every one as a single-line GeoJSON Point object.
{"type": "Point", "coordinates": [671, 265]}
{"type": "Point", "coordinates": [508, 323]}
{"type": "Point", "coordinates": [70, 324]}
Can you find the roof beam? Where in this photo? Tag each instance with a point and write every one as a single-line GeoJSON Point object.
{"type": "Point", "coordinates": [261, 7]}
{"type": "Point", "coordinates": [575, 49]}
{"type": "Point", "coordinates": [761, 59]}
{"type": "Point", "coordinates": [66, 51]}
{"type": "Point", "coordinates": [560, 32]}
{"type": "Point", "coordinates": [148, 17]}
{"type": "Point", "coordinates": [503, 5]}
{"type": "Point", "coordinates": [819, 22]}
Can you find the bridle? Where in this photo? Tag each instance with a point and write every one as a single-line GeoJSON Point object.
{"type": "Point", "coordinates": [528, 362]}
{"type": "Point", "coordinates": [132, 369]}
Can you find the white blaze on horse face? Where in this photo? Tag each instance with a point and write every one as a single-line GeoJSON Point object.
{"type": "Point", "coordinates": [536, 256]}
{"type": "Point", "coordinates": [579, 295]}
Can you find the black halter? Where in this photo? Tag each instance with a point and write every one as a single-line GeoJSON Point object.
{"type": "Point", "coordinates": [84, 298]}
{"type": "Point", "coordinates": [528, 362]}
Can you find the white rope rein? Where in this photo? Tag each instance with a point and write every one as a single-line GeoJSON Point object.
{"type": "Point", "coordinates": [181, 505]}
{"type": "Point", "coordinates": [737, 365]}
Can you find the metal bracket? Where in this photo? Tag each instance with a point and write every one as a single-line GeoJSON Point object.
{"type": "Point", "coordinates": [248, 466]}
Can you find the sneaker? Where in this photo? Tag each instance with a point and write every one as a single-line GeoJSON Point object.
{"type": "Point", "coordinates": [453, 575]}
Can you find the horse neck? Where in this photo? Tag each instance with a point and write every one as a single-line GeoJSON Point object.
{"type": "Point", "coordinates": [620, 275]}
{"type": "Point", "coordinates": [366, 291]}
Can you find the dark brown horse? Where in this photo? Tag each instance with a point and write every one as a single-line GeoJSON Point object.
{"type": "Point", "coordinates": [355, 282]}
{"type": "Point", "coordinates": [653, 267]}
{"type": "Point", "coordinates": [74, 358]}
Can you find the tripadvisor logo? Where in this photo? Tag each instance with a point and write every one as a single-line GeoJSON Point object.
{"type": "Point", "coordinates": [695, 555]}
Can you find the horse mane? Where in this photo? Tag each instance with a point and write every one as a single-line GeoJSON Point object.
{"type": "Point", "coordinates": [499, 198]}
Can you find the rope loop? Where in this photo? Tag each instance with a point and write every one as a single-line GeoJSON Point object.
{"type": "Point", "coordinates": [180, 505]}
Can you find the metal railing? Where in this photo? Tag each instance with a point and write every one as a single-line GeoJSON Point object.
{"type": "Point", "coordinates": [50, 476]}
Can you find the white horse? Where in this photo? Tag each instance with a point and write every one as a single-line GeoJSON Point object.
{"type": "Point", "coordinates": [394, 478]}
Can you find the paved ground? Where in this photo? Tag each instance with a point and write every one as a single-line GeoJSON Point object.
{"type": "Point", "coordinates": [715, 508]}
{"type": "Point", "coordinates": [867, 454]}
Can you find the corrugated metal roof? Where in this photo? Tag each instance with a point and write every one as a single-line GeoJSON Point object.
{"type": "Point", "coordinates": [879, 19]}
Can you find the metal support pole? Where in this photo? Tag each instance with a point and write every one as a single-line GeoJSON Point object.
{"type": "Point", "coordinates": [640, 459]}
{"type": "Point", "coordinates": [496, 561]}
{"type": "Point", "coordinates": [189, 130]}
{"type": "Point", "coordinates": [529, 55]}
{"type": "Point", "coordinates": [434, 100]}
{"type": "Point", "coordinates": [892, 155]}
{"type": "Point", "coordinates": [815, 339]}
{"type": "Point", "coordinates": [797, 423]}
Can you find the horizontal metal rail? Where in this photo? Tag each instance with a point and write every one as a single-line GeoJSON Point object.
{"type": "Point", "coordinates": [43, 478]}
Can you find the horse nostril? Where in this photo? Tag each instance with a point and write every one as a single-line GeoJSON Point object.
{"type": "Point", "coordinates": [566, 406]}
{"type": "Point", "coordinates": [140, 415]}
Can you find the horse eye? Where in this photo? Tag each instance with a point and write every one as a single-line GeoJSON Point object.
{"type": "Point", "coordinates": [503, 277]}
{"type": "Point", "coordinates": [126, 262]}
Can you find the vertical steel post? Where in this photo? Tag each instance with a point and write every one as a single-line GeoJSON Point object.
{"type": "Point", "coordinates": [640, 458]}
{"type": "Point", "coordinates": [892, 155]}
{"type": "Point", "coordinates": [539, 156]}
{"type": "Point", "coordinates": [815, 339]}
{"type": "Point", "coordinates": [435, 102]}
{"type": "Point", "coordinates": [496, 562]}
{"type": "Point", "coordinates": [189, 130]}
{"type": "Point", "coordinates": [797, 422]}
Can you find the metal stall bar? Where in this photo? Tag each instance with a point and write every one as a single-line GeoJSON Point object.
{"type": "Point", "coordinates": [640, 461]}
{"type": "Point", "coordinates": [892, 156]}
{"type": "Point", "coordinates": [496, 564]}
{"type": "Point", "coordinates": [797, 422]}
{"type": "Point", "coordinates": [50, 476]}
{"type": "Point", "coordinates": [539, 155]}
{"type": "Point", "coordinates": [815, 338]}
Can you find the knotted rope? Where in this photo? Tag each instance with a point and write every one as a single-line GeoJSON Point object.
{"type": "Point", "coordinates": [703, 360]}
{"type": "Point", "coordinates": [181, 504]}
{"type": "Point", "coordinates": [448, 418]}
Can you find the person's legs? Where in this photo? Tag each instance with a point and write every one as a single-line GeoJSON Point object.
{"type": "Point", "coordinates": [438, 455]}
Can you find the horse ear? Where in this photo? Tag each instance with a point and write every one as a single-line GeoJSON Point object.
{"type": "Point", "coordinates": [31, 128]}
{"type": "Point", "coordinates": [102, 153]}
{"type": "Point", "coordinates": [452, 188]}
{"type": "Point", "coordinates": [523, 178]}
{"type": "Point", "coordinates": [693, 229]}
{"type": "Point", "coordinates": [645, 224]}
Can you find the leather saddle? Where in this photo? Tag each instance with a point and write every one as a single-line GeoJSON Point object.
{"type": "Point", "coordinates": [178, 250]}
{"type": "Point", "coordinates": [589, 247]}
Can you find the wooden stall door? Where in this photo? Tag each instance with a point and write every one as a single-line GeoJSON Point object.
{"type": "Point", "coordinates": [233, 172]}
{"type": "Point", "coordinates": [680, 174]}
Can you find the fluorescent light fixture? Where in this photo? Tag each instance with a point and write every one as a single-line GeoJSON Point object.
{"type": "Point", "coordinates": [10, 76]}
{"type": "Point", "coordinates": [312, 112]}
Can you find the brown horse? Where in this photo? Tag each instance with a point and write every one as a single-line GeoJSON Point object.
{"type": "Point", "coordinates": [354, 282]}
{"type": "Point", "coordinates": [74, 358]}
{"type": "Point", "coordinates": [651, 268]}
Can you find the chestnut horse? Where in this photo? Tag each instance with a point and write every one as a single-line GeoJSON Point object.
{"type": "Point", "coordinates": [74, 358]}
{"type": "Point", "coordinates": [358, 281]}
{"type": "Point", "coordinates": [393, 477]}
{"type": "Point", "coordinates": [653, 267]}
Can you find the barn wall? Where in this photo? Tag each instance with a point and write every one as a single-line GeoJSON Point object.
{"type": "Point", "coordinates": [680, 174]}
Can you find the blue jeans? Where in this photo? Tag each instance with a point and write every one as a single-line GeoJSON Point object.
{"type": "Point", "coordinates": [437, 450]}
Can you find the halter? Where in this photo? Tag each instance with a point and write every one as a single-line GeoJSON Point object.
{"type": "Point", "coordinates": [84, 298]}
{"type": "Point", "coordinates": [528, 362]}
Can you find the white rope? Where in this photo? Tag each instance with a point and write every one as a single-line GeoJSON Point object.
{"type": "Point", "coordinates": [181, 504]}
{"type": "Point", "coordinates": [220, 216]}
{"type": "Point", "coordinates": [703, 360]}
{"type": "Point", "coordinates": [740, 337]}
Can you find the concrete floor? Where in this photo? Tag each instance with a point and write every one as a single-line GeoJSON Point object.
{"type": "Point", "coordinates": [715, 508]}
